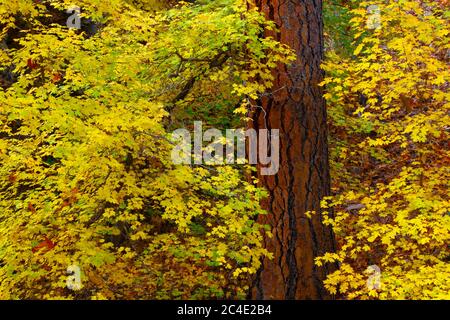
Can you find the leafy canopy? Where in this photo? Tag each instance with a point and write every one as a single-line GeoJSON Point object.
{"type": "Point", "coordinates": [86, 176]}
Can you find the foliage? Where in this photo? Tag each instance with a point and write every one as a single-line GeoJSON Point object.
{"type": "Point", "coordinates": [389, 113]}
{"type": "Point", "coordinates": [86, 177]}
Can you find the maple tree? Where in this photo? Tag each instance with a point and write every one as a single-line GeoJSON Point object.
{"type": "Point", "coordinates": [87, 174]}
{"type": "Point", "coordinates": [388, 99]}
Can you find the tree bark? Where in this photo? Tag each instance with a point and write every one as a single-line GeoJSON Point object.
{"type": "Point", "coordinates": [296, 107]}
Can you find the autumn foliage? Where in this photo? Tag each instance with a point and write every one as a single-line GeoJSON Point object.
{"type": "Point", "coordinates": [85, 151]}
{"type": "Point", "coordinates": [86, 177]}
{"type": "Point", "coordinates": [389, 114]}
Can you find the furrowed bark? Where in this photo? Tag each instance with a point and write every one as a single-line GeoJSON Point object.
{"type": "Point", "coordinates": [296, 107]}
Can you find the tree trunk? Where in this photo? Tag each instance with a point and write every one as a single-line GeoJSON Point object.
{"type": "Point", "coordinates": [296, 107]}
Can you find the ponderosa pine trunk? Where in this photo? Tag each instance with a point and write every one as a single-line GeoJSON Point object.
{"type": "Point", "coordinates": [296, 107]}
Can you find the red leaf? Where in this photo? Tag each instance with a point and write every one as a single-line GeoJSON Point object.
{"type": "Point", "coordinates": [31, 207]}
{"type": "Point", "coordinates": [12, 178]}
{"type": "Point", "coordinates": [32, 64]}
{"type": "Point", "coordinates": [46, 243]}
{"type": "Point", "coordinates": [56, 77]}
